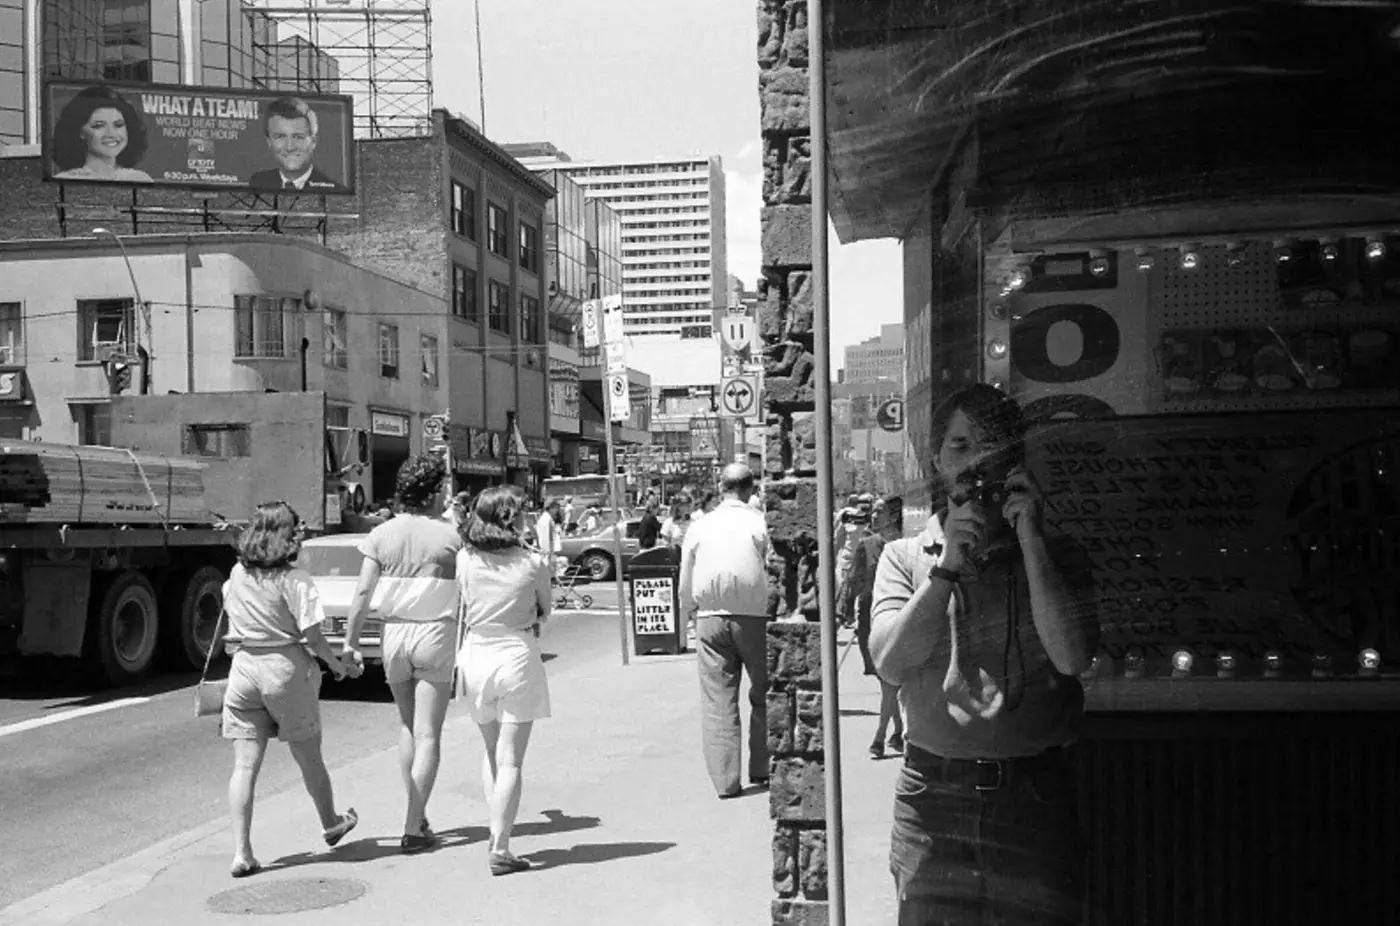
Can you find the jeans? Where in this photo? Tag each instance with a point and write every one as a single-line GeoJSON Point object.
{"type": "Point", "coordinates": [1010, 856]}
{"type": "Point", "coordinates": [723, 645]}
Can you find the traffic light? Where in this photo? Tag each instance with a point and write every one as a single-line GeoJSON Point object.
{"type": "Point", "coordinates": [118, 376]}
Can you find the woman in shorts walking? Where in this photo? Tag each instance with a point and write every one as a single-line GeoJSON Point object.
{"type": "Point", "coordinates": [274, 627]}
{"type": "Point", "coordinates": [409, 576]}
{"type": "Point", "coordinates": [505, 594]}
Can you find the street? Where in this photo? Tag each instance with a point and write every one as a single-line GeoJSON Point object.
{"type": "Point", "coordinates": [110, 772]}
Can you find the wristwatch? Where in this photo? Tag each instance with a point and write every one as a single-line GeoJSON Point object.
{"type": "Point", "coordinates": [947, 575]}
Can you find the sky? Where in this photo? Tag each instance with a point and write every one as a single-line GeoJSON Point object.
{"type": "Point", "coordinates": [642, 79]}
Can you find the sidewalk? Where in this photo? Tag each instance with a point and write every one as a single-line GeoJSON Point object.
{"type": "Point", "coordinates": [617, 814]}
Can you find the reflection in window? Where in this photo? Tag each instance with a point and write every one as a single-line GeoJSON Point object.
{"type": "Point", "coordinates": [388, 351]}
{"type": "Point", "coordinates": [498, 307]}
{"type": "Point", "coordinates": [464, 293]}
{"type": "Point", "coordinates": [334, 352]}
{"type": "Point", "coordinates": [496, 240]}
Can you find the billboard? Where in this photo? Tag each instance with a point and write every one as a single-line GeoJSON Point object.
{"type": "Point", "coordinates": [198, 137]}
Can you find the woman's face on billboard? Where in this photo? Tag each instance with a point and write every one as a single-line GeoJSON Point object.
{"type": "Point", "coordinates": [104, 133]}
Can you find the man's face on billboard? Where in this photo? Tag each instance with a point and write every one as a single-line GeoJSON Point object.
{"type": "Point", "coordinates": [291, 142]}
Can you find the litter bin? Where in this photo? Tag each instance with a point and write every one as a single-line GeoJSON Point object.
{"type": "Point", "coordinates": [653, 592]}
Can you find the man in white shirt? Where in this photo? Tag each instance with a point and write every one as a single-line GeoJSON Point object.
{"type": "Point", "coordinates": [724, 583]}
{"type": "Point", "coordinates": [548, 535]}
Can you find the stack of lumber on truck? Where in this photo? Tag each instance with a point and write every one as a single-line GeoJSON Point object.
{"type": "Point", "coordinates": [44, 483]}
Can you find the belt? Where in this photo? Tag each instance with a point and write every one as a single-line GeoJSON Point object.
{"type": "Point", "coordinates": [980, 774]}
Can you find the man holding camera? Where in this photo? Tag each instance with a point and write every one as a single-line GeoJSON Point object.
{"type": "Point", "coordinates": [985, 623]}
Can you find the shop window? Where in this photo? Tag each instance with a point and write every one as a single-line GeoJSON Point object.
{"type": "Point", "coordinates": [105, 324]}
{"type": "Point", "coordinates": [388, 351]}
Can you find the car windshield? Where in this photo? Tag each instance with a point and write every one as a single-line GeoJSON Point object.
{"type": "Point", "coordinates": [338, 560]}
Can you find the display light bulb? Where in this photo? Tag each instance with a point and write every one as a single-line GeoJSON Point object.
{"type": "Point", "coordinates": [1190, 258]}
{"type": "Point", "coordinates": [1093, 669]}
{"type": "Point", "coordinates": [1225, 663]}
{"type": "Point", "coordinates": [1018, 279]}
{"type": "Point", "coordinates": [1234, 254]}
{"type": "Point", "coordinates": [1283, 253]}
{"type": "Point", "coordinates": [996, 349]}
{"type": "Point", "coordinates": [1273, 664]}
{"type": "Point", "coordinates": [1145, 261]}
{"type": "Point", "coordinates": [998, 310]}
{"type": "Point", "coordinates": [1182, 660]}
{"type": "Point", "coordinates": [1321, 665]}
{"type": "Point", "coordinates": [1132, 663]}
{"type": "Point", "coordinates": [1098, 264]}
{"type": "Point", "coordinates": [1370, 660]}
{"type": "Point", "coordinates": [998, 385]}
{"type": "Point", "coordinates": [1375, 248]}
{"type": "Point", "coordinates": [1330, 252]}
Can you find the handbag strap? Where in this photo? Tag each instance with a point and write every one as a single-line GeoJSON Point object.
{"type": "Point", "coordinates": [209, 656]}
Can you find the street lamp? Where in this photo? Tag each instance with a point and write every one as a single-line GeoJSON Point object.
{"type": "Point", "coordinates": [141, 352]}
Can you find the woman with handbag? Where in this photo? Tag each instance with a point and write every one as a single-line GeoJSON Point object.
{"type": "Point", "coordinates": [274, 628]}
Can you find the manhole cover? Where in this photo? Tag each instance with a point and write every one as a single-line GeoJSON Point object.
{"type": "Point", "coordinates": [291, 895]}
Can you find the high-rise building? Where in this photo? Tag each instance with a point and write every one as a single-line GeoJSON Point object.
{"type": "Point", "coordinates": [878, 359]}
{"type": "Point", "coordinates": [674, 263]}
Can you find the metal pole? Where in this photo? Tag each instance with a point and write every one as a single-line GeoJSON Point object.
{"type": "Point", "coordinates": [618, 529]}
{"type": "Point", "coordinates": [826, 577]}
{"type": "Point", "coordinates": [139, 310]}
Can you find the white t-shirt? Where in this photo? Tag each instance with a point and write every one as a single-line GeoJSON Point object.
{"type": "Point", "coordinates": [547, 534]}
{"type": "Point", "coordinates": [270, 607]}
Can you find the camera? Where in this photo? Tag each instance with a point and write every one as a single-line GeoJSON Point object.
{"type": "Point", "coordinates": [989, 493]}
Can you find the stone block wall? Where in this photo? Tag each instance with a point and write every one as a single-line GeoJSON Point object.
{"type": "Point", "coordinates": [797, 786]}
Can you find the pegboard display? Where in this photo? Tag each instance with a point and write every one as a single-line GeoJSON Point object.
{"type": "Point", "coordinates": [1241, 331]}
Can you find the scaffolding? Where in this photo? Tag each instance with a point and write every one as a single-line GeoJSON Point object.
{"type": "Point", "coordinates": [382, 52]}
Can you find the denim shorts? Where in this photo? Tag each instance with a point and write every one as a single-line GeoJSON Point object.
{"type": "Point", "coordinates": [1009, 856]}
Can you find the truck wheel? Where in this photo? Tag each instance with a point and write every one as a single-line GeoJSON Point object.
{"type": "Point", "coordinates": [192, 629]}
{"type": "Point", "coordinates": [599, 566]}
{"type": "Point", "coordinates": [124, 628]}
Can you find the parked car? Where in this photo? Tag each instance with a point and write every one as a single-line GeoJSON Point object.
{"type": "Point", "coordinates": [334, 563]}
{"type": "Point", "coordinates": [594, 552]}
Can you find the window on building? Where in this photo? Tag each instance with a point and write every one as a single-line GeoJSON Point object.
{"type": "Point", "coordinates": [464, 293]}
{"type": "Point", "coordinates": [496, 240]}
{"type": "Point", "coordinates": [261, 325]}
{"type": "Point", "coordinates": [498, 307]}
{"type": "Point", "coordinates": [105, 324]}
{"type": "Point", "coordinates": [337, 416]}
{"type": "Point", "coordinates": [11, 333]}
{"type": "Point", "coordinates": [333, 339]}
{"type": "Point", "coordinates": [218, 440]}
{"type": "Point", "coordinates": [428, 349]}
{"type": "Point", "coordinates": [463, 210]}
{"type": "Point", "coordinates": [531, 325]}
{"type": "Point", "coordinates": [388, 351]}
{"type": "Point", "coordinates": [529, 247]}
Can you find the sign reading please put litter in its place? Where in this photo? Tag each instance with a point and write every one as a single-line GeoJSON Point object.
{"type": "Point", "coordinates": [653, 605]}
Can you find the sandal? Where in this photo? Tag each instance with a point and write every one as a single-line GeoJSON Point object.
{"type": "Point", "coordinates": [504, 863]}
{"type": "Point", "coordinates": [243, 868]}
{"type": "Point", "coordinates": [347, 823]}
{"type": "Point", "coordinates": [421, 841]}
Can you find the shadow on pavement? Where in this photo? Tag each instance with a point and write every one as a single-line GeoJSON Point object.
{"type": "Point", "coordinates": [371, 848]}
{"type": "Point", "coordinates": [592, 853]}
{"type": "Point", "coordinates": [555, 821]}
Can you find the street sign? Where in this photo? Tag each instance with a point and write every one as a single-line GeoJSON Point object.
{"type": "Point", "coordinates": [619, 397]}
{"type": "Point", "coordinates": [592, 323]}
{"type": "Point", "coordinates": [890, 415]}
{"type": "Point", "coordinates": [617, 357]}
{"type": "Point", "coordinates": [738, 396]}
{"type": "Point", "coordinates": [612, 319]}
{"type": "Point", "coordinates": [434, 431]}
{"type": "Point", "coordinates": [737, 332]}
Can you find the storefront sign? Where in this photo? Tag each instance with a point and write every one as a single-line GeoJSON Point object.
{"type": "Point", "coordinates": [388, 425]}
{"type": "Point", "coordinates": [653, 605]}
{"type": "Point", "coordinates": [537, 449]}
